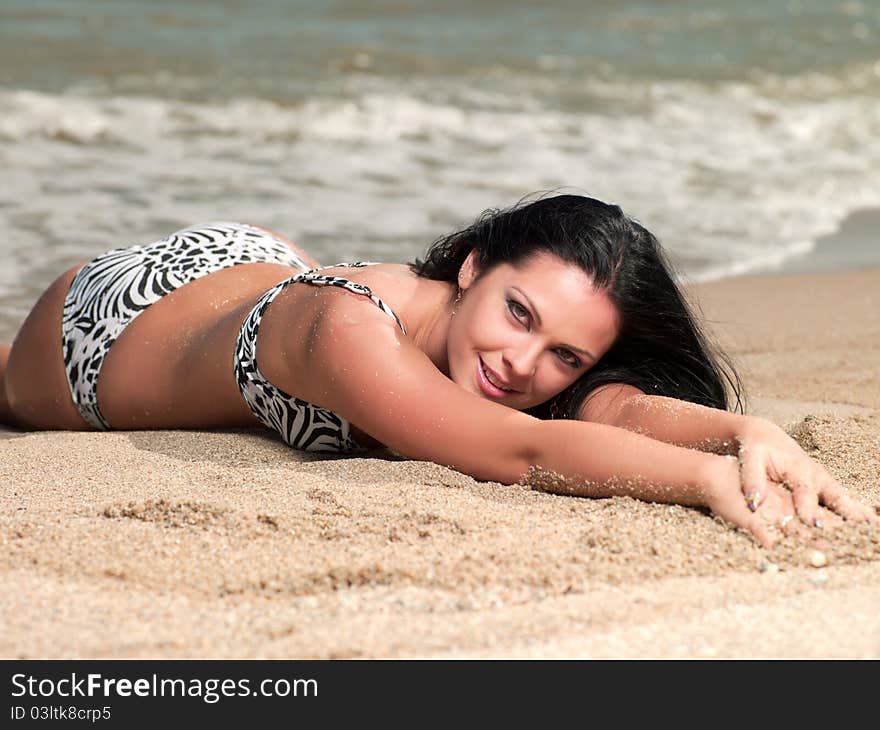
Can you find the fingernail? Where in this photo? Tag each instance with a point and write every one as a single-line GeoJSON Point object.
{"type": "Point", "coordinates": [817, 523]}
{"type": "Point", "coordinates": [752, 500]}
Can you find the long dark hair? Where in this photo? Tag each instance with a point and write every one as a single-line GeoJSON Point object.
{"type": "Point", "coordinates": [661, 348]}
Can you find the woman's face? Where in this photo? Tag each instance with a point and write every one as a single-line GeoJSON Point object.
{"type": "Point", "coordinates": [521, 334]}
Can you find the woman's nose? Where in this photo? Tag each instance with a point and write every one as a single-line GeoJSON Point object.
{"type": "Point", "coordinates": [521, 363]}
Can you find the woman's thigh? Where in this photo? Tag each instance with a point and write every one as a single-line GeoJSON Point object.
{"type": "Point", "coordinates": [36, 381]}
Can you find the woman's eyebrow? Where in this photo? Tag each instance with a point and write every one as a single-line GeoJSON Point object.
{"type": "Point", "coordinates": [534, 309]}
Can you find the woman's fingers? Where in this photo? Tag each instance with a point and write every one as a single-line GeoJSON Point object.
{"type": "Point", "coordinates": [838, 500]}
{"type": "Point", "coordinates": [727, 502]}
{"type": "Point", "coordinates": [770, 510]}
{"type": "Point", "coordinates": [817, 484]}
{"type": "Point", "coordinates": [738, 513]}
{"type": "Point", "coordinates": [761, 530]}
{"type": "Point", "coordinates": [790, 525]}
{"type": "Point", "coordinates": [806, 504]}
{"type": "Point", "coordinates": [828, 520]}
{"type": "Point", "coordinates": [778, 513]}
{"type": "Point", "coordinates": [753, 475]}
{"type": "Point", "coordinates": [768, 457]}
{"type": "Point", "coordinates": [835, 497]}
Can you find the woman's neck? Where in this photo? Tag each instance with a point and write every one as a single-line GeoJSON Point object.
{"type": "Point", "coordinates": [434, 313]}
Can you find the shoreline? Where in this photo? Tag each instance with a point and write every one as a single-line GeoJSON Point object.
{"type": "Point", "coordinates": [854, 245]}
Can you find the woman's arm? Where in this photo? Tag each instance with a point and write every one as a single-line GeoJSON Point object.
{"type": "Point", "coordinates": [363, 368]}
{"type": "Point", "coordinates": [666, 419]}
{"type": "Point", "coordinates": [766, 453]}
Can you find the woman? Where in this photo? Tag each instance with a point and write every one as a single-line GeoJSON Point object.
{"type": "Point", "coordinates": [548, 336]}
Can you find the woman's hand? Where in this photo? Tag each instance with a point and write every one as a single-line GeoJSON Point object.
{"type": "Point", "coordinates": [773, 518]}
{"type": "Point", "coordinates": [724, 498]}
{"type": "Point", "coordinates": [767, 454]}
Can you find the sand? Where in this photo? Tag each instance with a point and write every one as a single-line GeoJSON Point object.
{"type": "Point", "coordinates": [186, 544]}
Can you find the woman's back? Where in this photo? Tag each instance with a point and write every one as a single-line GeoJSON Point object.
{"type": "Point", "coordinates": [172, 366]}
{"type": "Point", "coordinates": [183, 345]}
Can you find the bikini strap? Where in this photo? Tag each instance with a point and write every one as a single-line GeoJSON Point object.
{"type": "Point", "coordinates": [316, 279]}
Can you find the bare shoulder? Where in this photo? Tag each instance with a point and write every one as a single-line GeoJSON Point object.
{"type": "Point", "coordinates": [364, 368]}
{"type": "Point", "coordinates": [394, 284]}
{"type": "Point", "coordinates": [603, 405]}
{"type": "Point", "coordinates": [290, 327]}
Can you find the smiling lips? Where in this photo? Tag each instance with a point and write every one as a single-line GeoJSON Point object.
{"type": "Point", "coordinates": [490, 383]}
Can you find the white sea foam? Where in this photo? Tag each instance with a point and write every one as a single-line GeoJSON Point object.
{"type": "Point", "coordinates": [733, 176]}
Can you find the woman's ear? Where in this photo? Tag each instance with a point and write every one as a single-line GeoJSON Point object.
{"type": "Point", "coordinates": [469, 271]}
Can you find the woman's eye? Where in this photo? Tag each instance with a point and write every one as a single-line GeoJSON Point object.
{"type": "Point", "coordinates": [569, 358]}
{"type": "Point", "coordinates": [517, 310]}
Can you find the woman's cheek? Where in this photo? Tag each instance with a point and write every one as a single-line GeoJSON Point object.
{"type": "Point", "coordinates": [556, 382]}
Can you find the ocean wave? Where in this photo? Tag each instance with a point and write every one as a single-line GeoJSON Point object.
{"type": "Point", "coordinates": [732, 175]}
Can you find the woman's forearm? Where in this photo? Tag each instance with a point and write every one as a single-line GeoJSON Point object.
{"type": "Point", "coordinates": [681, 423]}
{"type": "Point", "coordinates": [598, 460]}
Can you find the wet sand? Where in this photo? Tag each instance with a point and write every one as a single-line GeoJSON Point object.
{"type": "Point", "coordinates": [186, 544]}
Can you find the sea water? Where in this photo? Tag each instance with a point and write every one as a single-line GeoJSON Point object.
{"type": "Point", "coordinates": [738, 132]}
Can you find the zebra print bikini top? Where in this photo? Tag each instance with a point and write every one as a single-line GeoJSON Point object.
{"type": "Point", "coordinates": [302, 425]}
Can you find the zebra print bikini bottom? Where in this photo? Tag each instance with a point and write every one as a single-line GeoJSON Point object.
{"type": "Point", "coordinates": [110, 291]}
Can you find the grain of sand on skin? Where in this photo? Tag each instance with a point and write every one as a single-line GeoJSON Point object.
{"type": "Point", "coordinates": [188, 544]}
